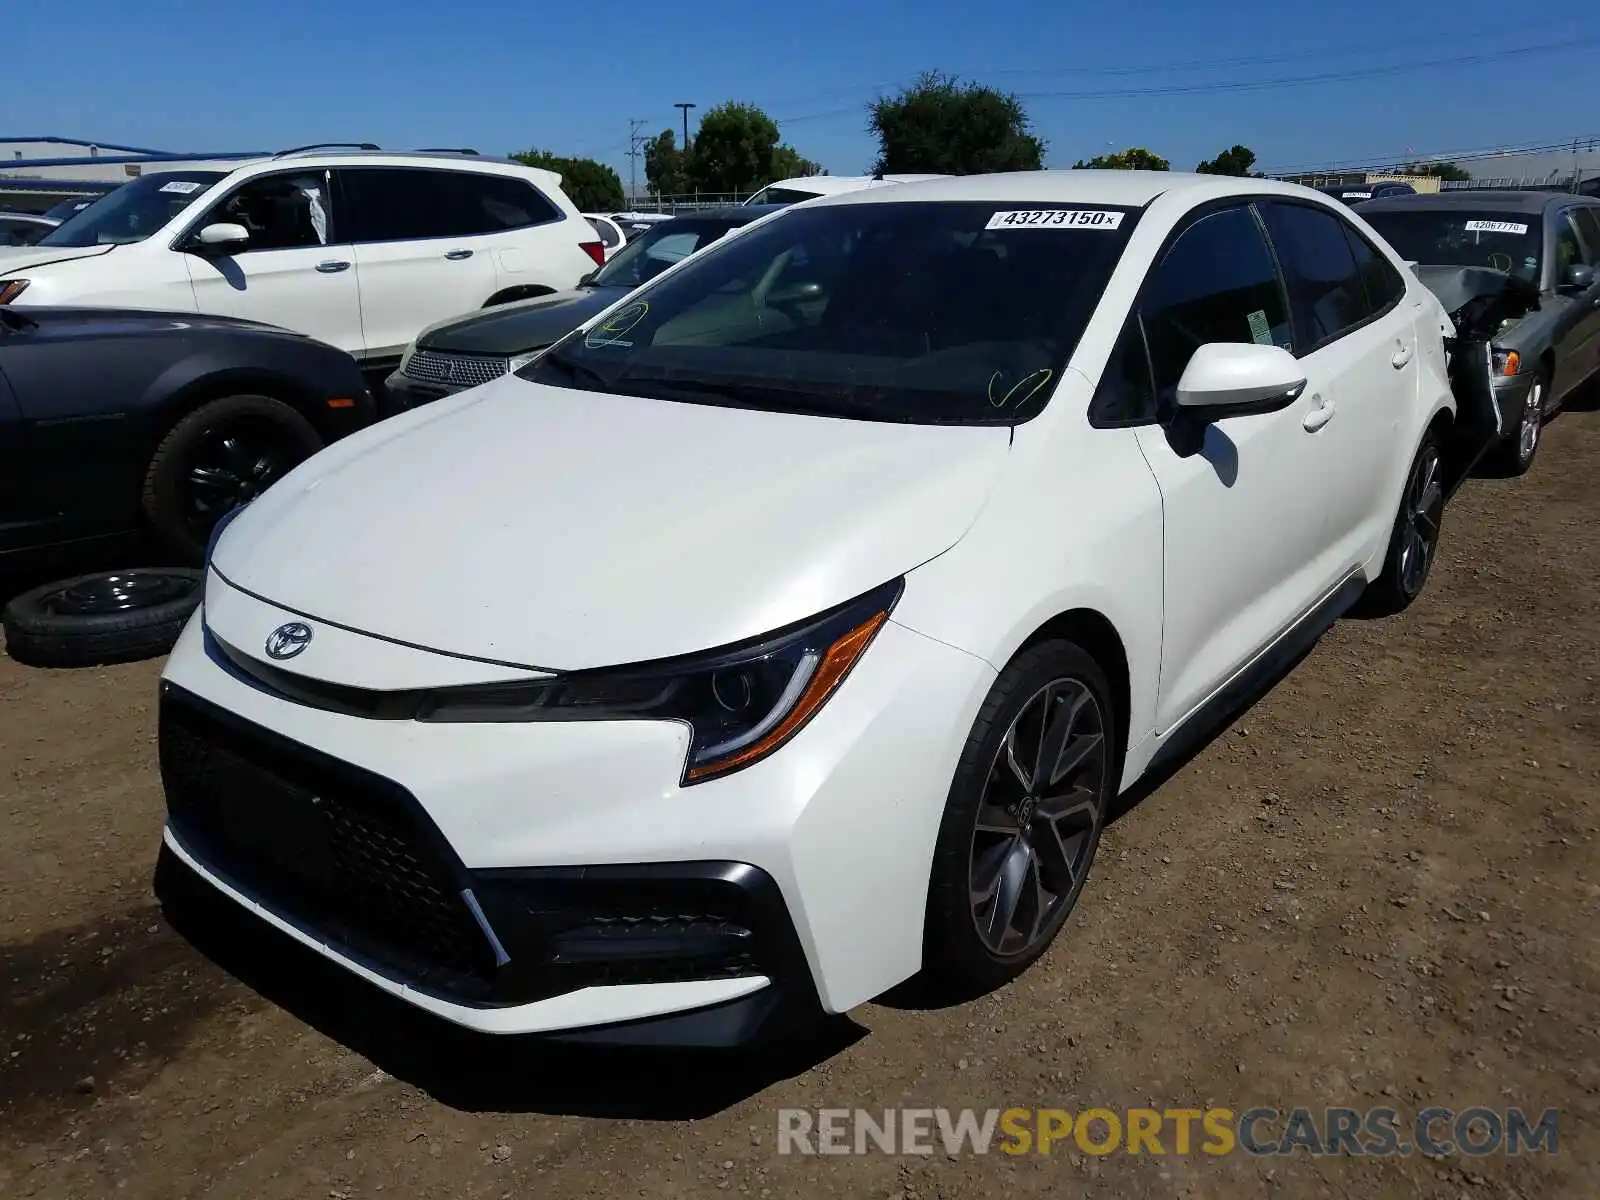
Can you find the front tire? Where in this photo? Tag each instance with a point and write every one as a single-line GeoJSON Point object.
{"type": "Point", "coordinates": [1514, 456]}
{"type": "Point", "coordinates": [1414, 540]}
{"type": "Point", "coordinates": [220, 456]}
{"type": "Point", "coordinates": [1022, 821]}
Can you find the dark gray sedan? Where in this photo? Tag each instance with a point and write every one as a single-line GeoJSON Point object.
{"type": "Point", "coordinates": [466, 351]}
{"type": "Point", "coordinates": [1471, 245]}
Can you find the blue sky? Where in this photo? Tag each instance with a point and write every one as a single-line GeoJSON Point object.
{"type": "Point", "coordinates": [501, 75]}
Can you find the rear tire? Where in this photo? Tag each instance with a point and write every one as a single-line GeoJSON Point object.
{"type": "Point", "coordinates": [1022, 820]}
{"type": "Point", "coordinates": [1414, 540]}
{"type": "Point", "coordinates": [107, 617]}
{"type": "Point", "coordinates": [223, 454]}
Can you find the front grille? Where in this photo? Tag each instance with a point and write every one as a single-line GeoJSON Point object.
{"type": "Point", "coordinates": [456, 371]}
{"type": "Point", "coordinates": [328, 846]}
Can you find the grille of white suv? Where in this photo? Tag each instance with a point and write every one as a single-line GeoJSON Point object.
{"type": "Point", "coordinates": [454, 370]}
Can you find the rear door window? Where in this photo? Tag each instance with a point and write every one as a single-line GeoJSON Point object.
{"type": "Point", "coordinates": [391, 204]}
{"type": "Point", "coordinates": [1588, 221]}
{"type": "Point", "coordinates": [1326, 290]}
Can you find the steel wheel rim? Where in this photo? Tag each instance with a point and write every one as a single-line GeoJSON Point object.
{"type": "Point", "coordinates": [1038, 819]}
{"type": "Point", "coordinates": [1424, 507]}
{"type": "Point", "coordinates": [1532, 420]}
{"type": "Point", "coordinates": [107, 595]}
{"type": "Point", "coordinates": [233, 466]}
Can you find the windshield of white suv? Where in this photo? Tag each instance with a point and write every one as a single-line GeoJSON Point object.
{"type": "Point", "coordinates": [960, 313]}
{"type": "Point", "coordinates": [1463, 237]}
{"type": "Point", "coordinates": [133, 211]}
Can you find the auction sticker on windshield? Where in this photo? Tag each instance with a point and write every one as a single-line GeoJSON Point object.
{"type": "Point", "coordinates": [1515, 227]}
{"type": "Point", "coordinates": [1055, 218]}
{"type": "Point", "coordinates": [181, 187]}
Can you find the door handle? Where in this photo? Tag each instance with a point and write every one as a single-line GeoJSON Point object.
{"type": "Point", "coordinates": [1401, 357]}
{"type": "Point", "coordinates": [333, 266]}
{"type": "Point", "coordinates": [457, 255]}
{"type": "Point", "coordinates": [1319, 416]}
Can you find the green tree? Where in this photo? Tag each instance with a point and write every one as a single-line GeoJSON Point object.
{"type": "Point", "coordinates": [787, 163]}
{"type": "Point", "coordinates": [1236, 160]}
{"type": "Point", "coordinates": [666, 166]}
{"type": "Point", "coordinates": [1441, 170]}
{"type": "Point", "coordinates": [1135, 158]}
{"type": "Point", "coordinates": [733, 149]}
{"type": "Point", "coordinates": [592, 186]}
{"type": "Point", "coordinates": [941, 126]}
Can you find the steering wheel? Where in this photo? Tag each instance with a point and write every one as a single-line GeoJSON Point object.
{"type": "Point", "coordinates": [1497, 258]}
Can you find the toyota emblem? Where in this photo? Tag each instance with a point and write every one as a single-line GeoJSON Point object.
{"type": "Point", "coordinates": [288, 640]}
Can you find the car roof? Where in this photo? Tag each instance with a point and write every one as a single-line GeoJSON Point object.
{"type": "Point", "coordinates": [1133, 189]}
{"type": "Point", "coordinates": [391, 158]}
{"type": "Point", "coordinates": [731, 214]}
{"type": "Point", "coordinates": [1500, 200]}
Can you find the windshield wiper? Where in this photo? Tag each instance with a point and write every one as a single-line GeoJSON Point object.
{"type": "Point", "coordinates": [765, 397]}
{"type": "Point", "coordinates": [579, 372]}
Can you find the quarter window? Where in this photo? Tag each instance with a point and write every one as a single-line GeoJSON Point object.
{"type": "Point", "coordinates": [1326, 290]}
{"type": "Point", "coordinates": [1125, 395]}
{"type": "Point", "coordinates": [1216, 283]}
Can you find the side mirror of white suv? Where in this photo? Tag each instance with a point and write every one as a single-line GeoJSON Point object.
{"type": "Point", "coordinates": [223, 234]}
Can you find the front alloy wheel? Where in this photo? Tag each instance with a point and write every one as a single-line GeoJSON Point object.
{"type": "Point", "coordinates": [1421, 516]}
{"type": "Point", "coordinates": [1023, 819]}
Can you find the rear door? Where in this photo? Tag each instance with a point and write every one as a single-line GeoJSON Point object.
{"type": "Point", "coordinates": [1359, 353]}
{"type": "Point", "coordinates": [296, 270]}
{"type": "Point", "coordinates": [1579, 323]}
{"type": "Point", "coordinates": [421, 251]}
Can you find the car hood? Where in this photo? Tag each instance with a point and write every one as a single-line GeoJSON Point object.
{"type": "Point", "coordinates": [26, 258]}
{"type": "Point", "coordinates": [1481, 301]}
{"type": "Point", "coordinates": [523, 325]}
{"type": "Point", "coordinates": [69, 322]}
{"type": "Point", "coordinates": [560, 529]}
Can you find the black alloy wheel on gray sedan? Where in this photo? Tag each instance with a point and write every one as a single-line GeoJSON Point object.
{"type": "Point", "coordinates": [1023, 819]}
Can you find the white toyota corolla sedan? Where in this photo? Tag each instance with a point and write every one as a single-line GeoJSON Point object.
{"type": "Point", "coordinates": [788, 630]}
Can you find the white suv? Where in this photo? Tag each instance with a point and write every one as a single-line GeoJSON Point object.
{"type": "Point", "coordinates": [359, 249]}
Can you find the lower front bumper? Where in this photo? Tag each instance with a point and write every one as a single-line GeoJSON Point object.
{"type": "Point", "coordinates": [402, 393]}
{"type": "Point", "coordinates": [1511, 393]}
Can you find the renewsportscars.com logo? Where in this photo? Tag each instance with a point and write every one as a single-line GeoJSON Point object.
{"type": "Point", "coordinates": [1374, 1132]}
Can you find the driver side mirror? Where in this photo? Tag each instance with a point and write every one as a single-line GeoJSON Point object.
{"type": "Point", "coordinates": [1235, 379]}
{"type": "Point", "coordinates": [223, 237]}
{"type": "Point", "coordinates": [1580, 277]}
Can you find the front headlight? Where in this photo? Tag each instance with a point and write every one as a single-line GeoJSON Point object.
{"type": "Point", "coordinates": [405, 357]}
{"type": "Point", "coordinates": [741, 703]}
{"type": "Point", "coordinates": [523, 360]}
{"type": "Point", "coordinates": [10, 289]}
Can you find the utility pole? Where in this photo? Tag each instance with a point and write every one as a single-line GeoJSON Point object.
{"type": "Point", "coordinates": [635, 140]}
{"type": "Point", "coordinates": [685, 106]}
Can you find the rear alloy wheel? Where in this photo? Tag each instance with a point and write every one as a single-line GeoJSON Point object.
{"type": "Point", "coordinates": [1023, 820]}
{"type": "Point", "coordinates": [112, 616]}
{"type": "Point", "coordinates": [222, 455]}
{"type": "Point", "coordinates": [1414, 540]}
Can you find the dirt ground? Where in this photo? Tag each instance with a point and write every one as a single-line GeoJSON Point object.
{"type": "Point", "coordinates": [1379, 887]}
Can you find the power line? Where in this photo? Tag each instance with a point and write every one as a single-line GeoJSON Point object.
{"type": "Point", "coordinates": [1468, 154]}
{"type": "Point", "coordinates": [1247, 85]}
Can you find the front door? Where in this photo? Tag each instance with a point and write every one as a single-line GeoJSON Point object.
{"type": "Point", "coordinates": [293, 272]}
{"type": "Point", "coordinates": [1244, 554]}
{"type": "Point", "coordinates": [1585, 338]}
{"type": "Point", "coordinates": [20, 523]}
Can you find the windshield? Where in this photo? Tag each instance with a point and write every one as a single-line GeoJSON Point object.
{"type": "Point", "coordinates": [773, 194]}
{"type": "Point", "coordinates": [1463, 237]}
{"type": "Point", "coordinates": [652, 251]}
{"type": "Point", "coordinates": [935, 313]}
{"type": "Point", "coordinates": [133, 211]}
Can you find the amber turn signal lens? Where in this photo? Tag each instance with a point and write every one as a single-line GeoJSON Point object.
{"type": "Point", "coordinates": [1513, 361]}
{"type": "Point", "coordinates": [342, 402]}
{"type": "Point", "coordinates": [835, 665]}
